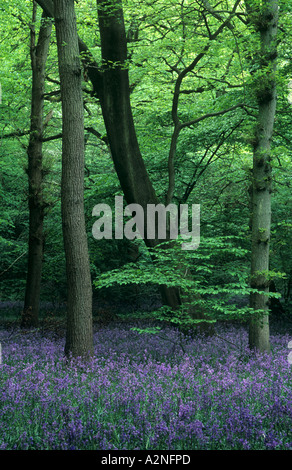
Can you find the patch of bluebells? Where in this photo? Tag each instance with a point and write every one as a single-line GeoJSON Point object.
{"type": "Point", "coordinates": [144, 391]}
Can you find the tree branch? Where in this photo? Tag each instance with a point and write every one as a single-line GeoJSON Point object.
{"type": "Point", "coordinates": [52, 137]}
{"type": "Point", "coordinates": [97, 134]}
{"type": "Point", "coordinates": [208, 115]}
{"type": "Point", "coordinates": [17, 133]}
{"type": "Point", "coordinates": [9, 267]}
{"type": "Point", "coordinates": [178, 126]}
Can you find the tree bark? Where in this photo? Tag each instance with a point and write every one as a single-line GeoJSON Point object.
{"type": "Point", "coordinates": [79, 337]}
{"type": "Point", "coordinates": [265, 22]}
{"type": "Point", "coordinates": [38, 53]}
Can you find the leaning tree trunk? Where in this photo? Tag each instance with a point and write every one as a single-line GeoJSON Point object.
{"type": "Point", "coordinates": [36, 203]}
{"type": "Point", "coordinates": [79, 338]}
{"type": "Point", "coordinates": [266, 21]}
{"type": "Point", "coordinates": [112, 86]}
{"type": "Point", "coordinates": [113, 89]}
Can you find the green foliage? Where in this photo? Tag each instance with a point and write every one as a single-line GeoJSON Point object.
{"type": "Point", "coordinates": [169, 268]}
{"type": "Point", "coordinates": [212, 161]}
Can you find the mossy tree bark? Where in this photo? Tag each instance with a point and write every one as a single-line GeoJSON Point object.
{"type": "Point", "coordinates": [265, 21]}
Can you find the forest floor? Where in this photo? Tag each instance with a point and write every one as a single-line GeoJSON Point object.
{"type": "Point", "coordinates": [142, 391]}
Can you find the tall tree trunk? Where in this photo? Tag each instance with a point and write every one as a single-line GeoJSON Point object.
{"type": "Point", "coordinates": [265, 21]}
{"type": "Point", "coordinates": [114, 95]}
{"type": "Point", "coordinates": [79, 338]}
{"type": "Point", "coordinates": [38, 54]}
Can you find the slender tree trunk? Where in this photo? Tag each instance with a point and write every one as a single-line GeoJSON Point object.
{"type": "Point", "coordinates": [266, 21]}
{"type": "Point", "coordinates": [79, 340]}
{"type": "Point", "coordinates": [36, 203]}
